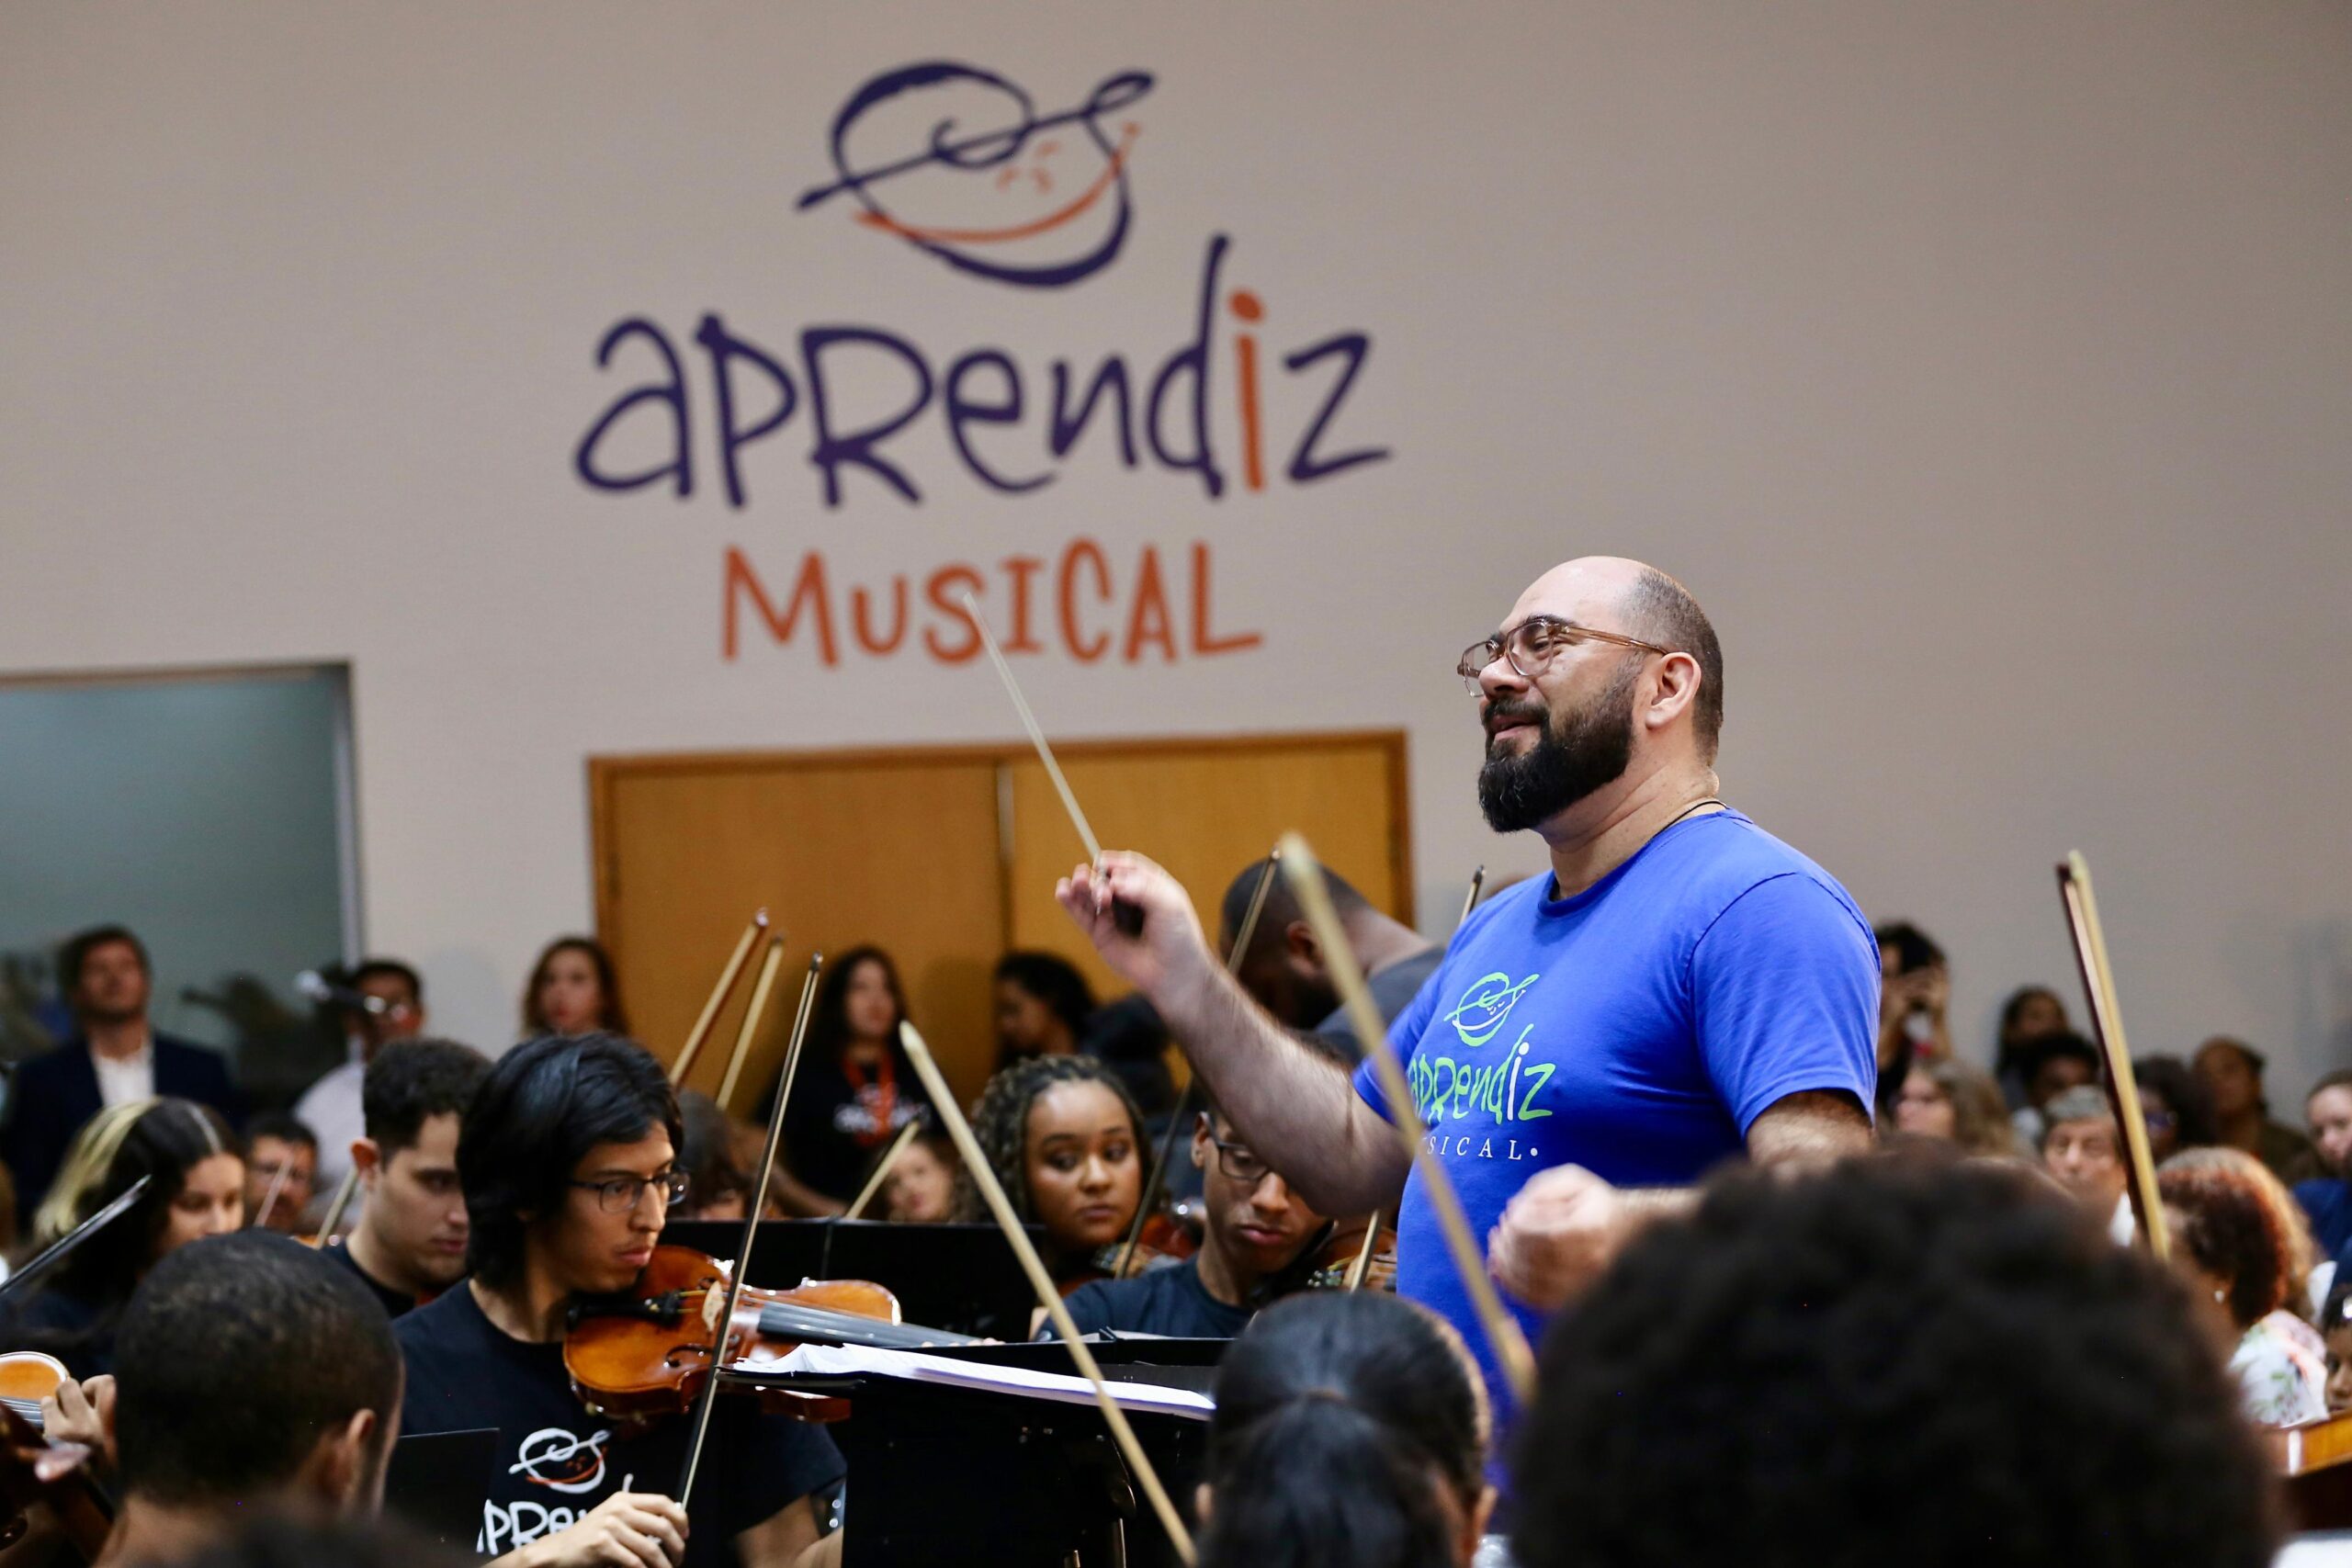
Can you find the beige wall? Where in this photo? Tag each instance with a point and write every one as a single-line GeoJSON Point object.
{"type": "Point", "coordinates": [1986, 369]}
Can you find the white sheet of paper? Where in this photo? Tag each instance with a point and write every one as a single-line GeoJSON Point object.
{"type": "Point", "coordinates": [837, 1360]}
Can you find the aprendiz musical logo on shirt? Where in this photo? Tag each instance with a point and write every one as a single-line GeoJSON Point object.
{"type": "Point", "coordinates": [560, 1461]}
{"type": "Point", "coordinates": [1501, 1090]}
{"type": "Point", "coordinates": [952, 164]}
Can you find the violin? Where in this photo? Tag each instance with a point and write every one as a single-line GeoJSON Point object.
{"type": "Point", "coordinates": [1166, 1237]}
{"type": "Point", "coordinates": [33, 1471]}
{"type": "Point", "coordinates": [1330, 1265]}
{"type": "Point", "coordinates": [648, 1354]}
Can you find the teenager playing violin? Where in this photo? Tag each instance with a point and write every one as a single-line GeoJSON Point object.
{"type": "Point", "coordinates": [567, 1157]}
{"type": "Point", "coordinates": [1066, 1142]}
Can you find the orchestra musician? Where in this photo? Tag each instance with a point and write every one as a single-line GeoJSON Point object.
{"type": "Point", "coordinates": [1681, 988]}
{"type": "Point", "coordinates": [253, 1377]}
{"type": "Point", "coordinates": [567, 1160]}
{"type": "Point", "coordinates": [1350, 1432]}
{"type": "Point", "coordinates": [198, 1189]}
{"type": "Point", "coordinates": [1065, 1142]}
{"type": "Point", "coordinates": [409, 1242]}
{"type": "Point", "coordinates": [1284, 970]}
{"type": "Point", "coordinates": [1254, 1230]}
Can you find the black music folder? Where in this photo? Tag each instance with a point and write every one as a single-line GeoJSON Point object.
{"type": "Point", "coordinates": [436, 1481]}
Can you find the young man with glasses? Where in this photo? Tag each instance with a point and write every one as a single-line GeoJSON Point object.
{"type": "Point", "coordinates": [1256, 1228]}
{"type": "Point", "coordinates": [567, 1155]}
{"type": "Point", "coordinates": [1682, 990]}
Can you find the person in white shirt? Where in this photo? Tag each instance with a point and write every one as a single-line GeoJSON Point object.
{"type": "Point", "coordinates": [331, 1106]}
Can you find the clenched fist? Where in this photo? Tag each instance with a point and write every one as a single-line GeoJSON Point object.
{"type": "Point", "coordinates": [1565, 1227]}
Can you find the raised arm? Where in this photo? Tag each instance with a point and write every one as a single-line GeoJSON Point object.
{"type": "Point", "coordinates": [1296, 1108]}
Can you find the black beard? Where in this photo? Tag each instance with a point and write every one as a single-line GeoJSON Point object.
{"type": "Point", "coordinates": [1592, 748]}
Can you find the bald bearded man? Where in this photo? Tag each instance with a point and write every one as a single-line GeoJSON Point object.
{"type": "Point", "coordinates": [1683, 987]}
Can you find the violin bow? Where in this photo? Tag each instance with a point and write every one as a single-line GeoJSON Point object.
{"type": "Point", "coordinates": [1470, 901]}
{"type": "Point", "coordinates": [1129, 919]}
{"type": "Point", "coordinates": [719, 995]}
{"type": "Point", "coordinates": [1179, 1118]}
{"type": "Point", "coordinates": [335, 1206]}
{"type": "Point", "coordinates": [769, 963]}
{"type": "Point", "coordinates": [976, 1163]}
{"type": "Point", "coordinates": [269, 1194]}
{"type": "Point", "coordinates": [2107, 1024]}
{"type": "Point", "coordinates": [742, 1265]}
{"type": "Point", "coordinates": [24, 1278]}
{"type": "Point", "coordinates": [1503, 1333]}
{"type": "Point", "coordinates": [881, 1171]}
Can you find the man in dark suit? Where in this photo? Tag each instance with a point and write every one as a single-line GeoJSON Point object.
{"type": "Point", "coordinates": [115, 1058]}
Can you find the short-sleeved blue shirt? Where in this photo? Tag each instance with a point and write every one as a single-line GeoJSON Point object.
{"type": "Point", "coordinates": [1636, 1030]}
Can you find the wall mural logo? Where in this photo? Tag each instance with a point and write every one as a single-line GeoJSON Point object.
{"type": "Point", "coordinates": [1038, 201]}
{"type": "Point", "coordinates": [959, 162]}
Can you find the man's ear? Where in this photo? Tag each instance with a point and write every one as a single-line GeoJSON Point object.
{"type": "Point", "coordinates": [1203, 1135]}
{"type": "Point", "coordinates": [1678, 690]}
{"type": "Point", "coordinates": [367, 1158]}
{"type": "Point", "coordinates": [1299, 944]}
{"type": "Point", "coordinates": [342, 1471]}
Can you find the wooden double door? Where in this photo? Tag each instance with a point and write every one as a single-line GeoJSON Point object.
{"type": "Point", "coordinates": [946, 857]}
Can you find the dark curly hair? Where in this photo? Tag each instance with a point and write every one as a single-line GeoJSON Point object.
{"type": "Point", "coordinates": [1938, 1364]}
{"type": "Point", "coordinates": [2228, 1224]}
{"type": "Point", "coordinates": [544, 1105]}
{"type": "Point", "coordinates": [1339, 1416]}
{"type": "Point", "coordinates": [1001, 1125]}
{"type": "Point", "coordinates": [2184, 1095]}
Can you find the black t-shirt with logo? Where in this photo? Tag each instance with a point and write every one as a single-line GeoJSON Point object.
{"type": "Point", "coordinates": [397, 1303]}
{"type": "Point", "coordinates": [556, 1461]}
{"type": "Point", "coordinates": [841, 1118]}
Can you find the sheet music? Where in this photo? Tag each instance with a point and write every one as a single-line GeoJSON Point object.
{"type": "Point", "coordinates": [839, 1360]}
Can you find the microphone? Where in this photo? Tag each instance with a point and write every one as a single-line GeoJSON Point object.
{"type": "Point", "coordinates": [318, 988]}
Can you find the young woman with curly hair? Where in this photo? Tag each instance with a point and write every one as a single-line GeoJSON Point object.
{"type": "Point", "coordinates": [1064, 1139]}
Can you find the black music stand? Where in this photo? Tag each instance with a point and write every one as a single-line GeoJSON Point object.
{"type": "Point", "coordinates": [943, 1474]}
{"type": "Point", "coordinates": [961, 1278]}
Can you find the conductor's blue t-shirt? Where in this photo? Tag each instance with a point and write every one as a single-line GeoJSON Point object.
{"type": "Point", "coordinates": [1636, 1030]}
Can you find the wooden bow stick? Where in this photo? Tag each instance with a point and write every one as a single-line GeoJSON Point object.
{"type": "Point", "coordinates": [742, 1265]}
{"type": "Point", "coordinates": [769, 963]}
{"type": "Point", "coordinates": [2107, 1024]}
{"type": "Point", "coordinates": [1180, 1119]}
{"type": "Point", "coordinates": [1128, 918]}
{"type": "Point", "coordinates": [335, 1206]}
{"type": "Point", "coordinates": [1470, 901]}
{"type": "Point", "coordinates": [976, 1163]}
{"type": "Point", "coordinates": [881, 1171]}
{"type": "Point", "coordinates": [1502, 1330]}
{"type": "Point", "coordinates": [719, 995]}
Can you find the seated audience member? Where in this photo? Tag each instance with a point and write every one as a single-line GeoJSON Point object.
{"type": "Point", "coordinates": [717, 1189]}
{"type": "Point", "coordinates": [2030, 1012]}
{"type": "Point", "coordinates": [574, 989]}
{"type": "Point", "coordinates": [2326, 1197]}
{"type": "Point", "coordinates": [921, 1188]}
{"type": "Point", "coordinates": [2052, 1063]}
{"type": "Point", "coordinates": [1914, 1003]}
{"type": "Point", "coordinates": [2230, 1071]}
{"type": "Point", "coordinates": [252, 1379]}
{"type": "Point", "coordinates": [331, 1106]}
{"type": "Point", "coordinates": [1947, 1099]}
{"type": "Point", "coordinates": [2335, 1333]}
{"type": "Point", "coordinates": [2081, 1149]}
{"type": "Point", "coordinates": [568, 1155]}
{"type": "Point", "coordinates": [409, 1244]}
{"type": "Point", "coordinates": [2173, 1100]}
{"type": "Point", "coordinates": [853, 1090]}
{"type": "Point", "coordinates": [281, 1162]}
{"type": "Point", "coordinates": [1042, 1006]}
{"type": "Point", "coordinates": [112, 1058]}
{"type": "Point", "coordinates": [1286, 969]}
{"type": "Point", "coordinates": [1066, 1144]}
{"type": "Point", "coordinates": [197, 1190]}
{"type": "Point", "coordinates": [1350, 1432]}
{"type": "Point", "coordinates": [2229, 1241]}
{"type": "Point", "coordinates": [1808, 1374]}
{"type": "Point", "coordinates": [1256, 1229]}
